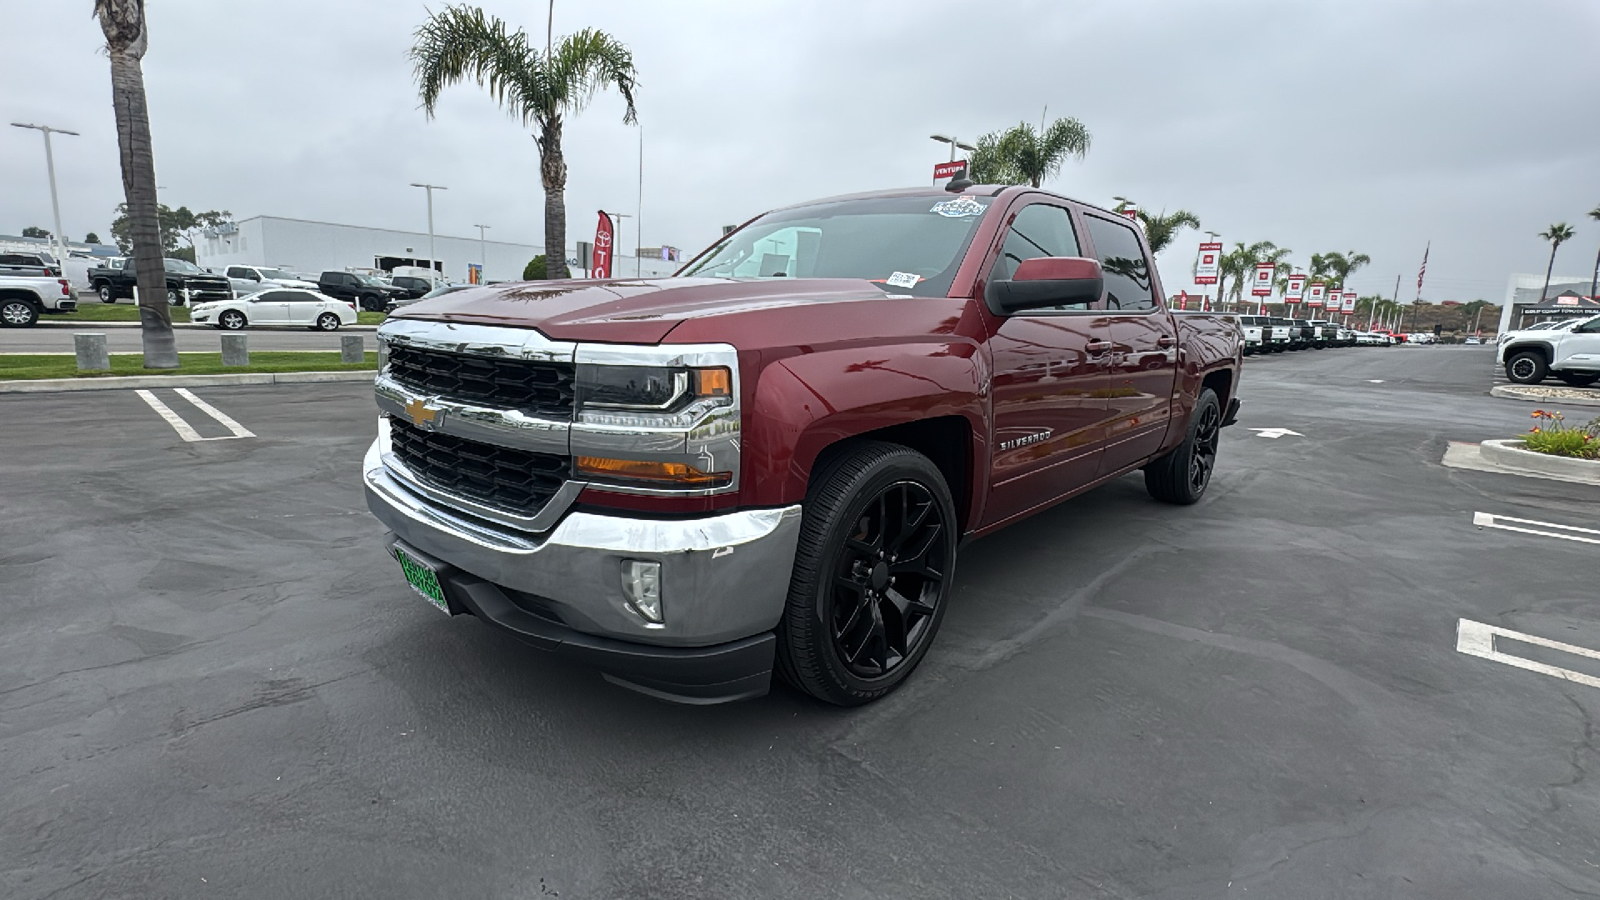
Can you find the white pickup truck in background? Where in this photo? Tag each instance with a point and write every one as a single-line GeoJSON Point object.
{"type": "Point", "coordinates": [23, 298]}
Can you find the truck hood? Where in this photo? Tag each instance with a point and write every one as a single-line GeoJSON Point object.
{"type": "Point", "coordinates": [641, 311]}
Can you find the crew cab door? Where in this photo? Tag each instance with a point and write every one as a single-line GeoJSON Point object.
{"type": "Point", "coordinates": [1048, 378]}
{"type": "Point", "coordinates": [1580, 348]}
{"type": "Point", "coordinates": [1143, 364]}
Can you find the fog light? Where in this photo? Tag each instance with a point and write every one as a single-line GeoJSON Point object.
{"type": "Point", "coordinates": [641, 584]}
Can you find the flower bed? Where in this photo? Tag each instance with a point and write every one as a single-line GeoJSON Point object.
{"type": "Point", "coordinates": [1556, 438]}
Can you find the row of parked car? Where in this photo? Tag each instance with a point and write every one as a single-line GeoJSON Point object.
{"type": "Point", "coordinates": [1275, 334]}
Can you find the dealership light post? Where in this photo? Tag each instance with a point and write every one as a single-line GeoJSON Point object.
{"type": "Point", "coordinates": [954, 143]}
{"type": "Point", "coordinates": [433, 281]}
{"type": "Point", "coordinates": [483, 254]}
{"type": "Point", "coordinates": [50, 167]}
{"type": "Point", "coordinates": [617, 243]}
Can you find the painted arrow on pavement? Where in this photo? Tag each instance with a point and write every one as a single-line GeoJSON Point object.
{"type": "Point", "coordinates": [1275, 433]}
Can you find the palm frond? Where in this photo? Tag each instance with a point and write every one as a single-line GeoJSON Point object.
{"type": "Point", "coordinates": [587, 61]}
{"type": "Point", "coordinates": [462, 43]}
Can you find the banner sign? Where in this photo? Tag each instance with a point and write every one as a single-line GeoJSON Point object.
{"type": "Point", "coordinates": [1349, 302]}
{"type": "Point", "coordinates": [474, 273]}
{"type": "Point", "coordinates": [1209, 264]}
{"type": "Point", "coordinates": [1131, 211]}
{"type": "Point", "coordinates": [949, 169]}
{"type": "Point", "coordinates": [1296, 290]}
{"type": "Point", "coordinates": [602, 248]}
{"type": "Point", "coordinates": [1314, 295]}
{"type": "Point", "coordinates": [1262, 287]}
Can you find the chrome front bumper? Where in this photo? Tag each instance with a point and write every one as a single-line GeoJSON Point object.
{"type": "Point", "coordinates": [724, 577]}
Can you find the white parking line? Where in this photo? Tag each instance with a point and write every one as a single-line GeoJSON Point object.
{"type": "Point", "coordinates": [1477, 639]}
{"type": "Point", "coordinates": [183, 428]}
{"type": "Point", "coordinates": [1489, 520]}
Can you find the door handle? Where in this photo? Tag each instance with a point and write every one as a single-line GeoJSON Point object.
{"type": "Point", "coordinates": [1166, 341]}
{"type": "Point", "coordinates": [1097, 346]}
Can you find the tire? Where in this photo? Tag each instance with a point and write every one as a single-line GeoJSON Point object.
{"type": "Point", "coordinates": [231, 320]}
{"type": "Point", "coordinates": [371, 303]}
{"type": "Point", "coordinates": [1527, 367]}
{"type": "Point", "coordinates": [174, 298]}
{"type": "Point", "coordinates": [1182, 475]}
{"type": "Point", "coordinates": [327, 322]}
{"type": "Point", "coordinates": [845, 636]}
{"type": "Point", "coordinates": [106, 296]}
{"type": "Point", "coordinates": [18, 313]}
{"type": "Point", "coordinates": [1578, 379]}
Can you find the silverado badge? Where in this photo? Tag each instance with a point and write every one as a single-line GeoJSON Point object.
{"type": "Point", "coordinates": [424, 416]}
{"type": "Point", "coordinates": [1026, 439]}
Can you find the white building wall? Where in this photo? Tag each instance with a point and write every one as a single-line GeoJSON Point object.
{"type": "Point", "coordinates": [313, 247]}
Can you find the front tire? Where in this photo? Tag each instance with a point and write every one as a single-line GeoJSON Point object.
{"type": "Point", "coordinates": [231, 320]}
{"type": "Point", "coordinates": [18, 313]}
{"type": "Point", "coordinates": [1182, 475]}
{"type": "Point", "coordinates": [327, 322]}
{"type": "Point", "coordinates": [872, 574]}
{"type": "Point", "coordinates": [1527, 367]}
{"type": "Point", "coordinates": [106, 296]}
{"type": "Point", "coordinates": [371, 303]}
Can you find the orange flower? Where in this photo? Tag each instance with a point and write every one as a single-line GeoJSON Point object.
{"type": "Point", "coordinates": [1535, 429]}
{"type": "Point", "coordinates": [1537, 414]}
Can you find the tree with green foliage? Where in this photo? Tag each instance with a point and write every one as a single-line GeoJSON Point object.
{"type": "Point", "coordinates": [34, 231]}
{"type": "Point", "coordinates": [538, 270]}
{"type": "Point", "coordinates": [1240, 264]}
{"type": "Point", "coordinates": [1338, 266]}
{"type": "Point", "coordinates": [91, 238]}
{"type": "Point", "coordinates": [538, 89]}
{"type": "Point", "coordinates": [175, 225]}
{"type": "Point", "coordinates": [123, 24]}
{"type": "Point", "coordinates": [1161, 228]}
{"type": "Point", "coordinates": [1022, 155]}
{"type": "Point", "coordinates": [1556, 234]}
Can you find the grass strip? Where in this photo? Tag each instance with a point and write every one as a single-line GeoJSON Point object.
{"type": "Point", "coordinates": [127, 312]}
{"type": "Point", "coordinates": [28, 366]}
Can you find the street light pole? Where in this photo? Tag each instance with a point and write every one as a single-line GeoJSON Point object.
{"type": "Point", "coordinates": [618, 242]}
{"type": "Point", "coordinates": [483, 254]}
{"type": "Point", "coordinates": [433, 281]}
{"type": "Point", "coordinates": [50, 167]}
{"type": "Point", "coordinates": [954, 143]}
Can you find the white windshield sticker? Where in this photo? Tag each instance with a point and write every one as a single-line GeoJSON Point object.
{"type": "Point", "coordinates": [959, 208]}
{"type": "Point", "coordinates": [903, 279]}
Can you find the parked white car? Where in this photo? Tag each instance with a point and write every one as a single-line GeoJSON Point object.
{"type": "Point", "coordinates": [280, 306]}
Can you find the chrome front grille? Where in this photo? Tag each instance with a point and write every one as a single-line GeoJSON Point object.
{"type": "Point", "coordinates": [516, 481]}
{"type": "Point", "coordinates": [537, 387]}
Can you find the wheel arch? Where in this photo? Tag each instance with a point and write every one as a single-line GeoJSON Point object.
{"type": "Point", "coordinates": [1536, 346]}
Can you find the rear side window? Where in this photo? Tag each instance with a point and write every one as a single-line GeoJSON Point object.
{"type": "Point", "coordinates": [1127, 273]}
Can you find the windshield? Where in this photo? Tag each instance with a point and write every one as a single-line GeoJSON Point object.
{"type": "Point", "coordinates": [904, 244]}
{"type": "Point", "coordinates": [182, 267]}
{"type": "Point", "coordinates": [368, 279]}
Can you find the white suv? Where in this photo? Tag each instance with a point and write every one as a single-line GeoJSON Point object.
{"type": "Point", "coordinates": [1571, 354]}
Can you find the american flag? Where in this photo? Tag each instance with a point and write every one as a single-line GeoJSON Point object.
{"type": "Point", "coordinates": [1423, 271]}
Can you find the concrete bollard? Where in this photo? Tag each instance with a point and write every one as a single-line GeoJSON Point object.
{"type": "Point", "coordinates": [235, 350]}
{"type": "Point", "coordinates": [352, 348]}
{"type": "Point", "coordinates": [92, 353]}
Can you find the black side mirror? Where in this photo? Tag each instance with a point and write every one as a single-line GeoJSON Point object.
{"type": "Point", "coordinates": [1046, 281]}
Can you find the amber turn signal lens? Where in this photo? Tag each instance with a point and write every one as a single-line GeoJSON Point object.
{"type": "Point", "coordinates": [713, 382]}
{"type": "Point", "coordinates": [666, 474]}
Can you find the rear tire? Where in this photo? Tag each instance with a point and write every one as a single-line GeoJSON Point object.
{"type": "Point", "coordinates": [18, 313]}
{"type": "Point", "coordinates": [1527, 367]}
{"type": "Point", "coordinates": [327, 322]}
{"type": "Point", "coordinates": [872, 574]}
{"type": "Point", "coordinates": [1182, 475]}
{"type": "Point", "coordinates": [1578, 379]}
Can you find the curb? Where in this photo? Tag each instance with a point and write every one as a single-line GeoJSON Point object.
{"type": "Point", "coordinates": [1511, 393]}
{"type": "Point", "coordinates": [1507, 454]}
{"type": "Point", "coordinates": [126, 382]}
{"type": "Point", "coordinates": [191, 326]}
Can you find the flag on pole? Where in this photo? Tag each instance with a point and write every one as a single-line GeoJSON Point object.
{"type": "Point", "coordinates": [602, 247]}
{"type": "Point", "coordinates": [1423, 271]}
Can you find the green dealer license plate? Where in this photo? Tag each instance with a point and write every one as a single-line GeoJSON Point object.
{"type": "Point", "coordinates": [423, 579]}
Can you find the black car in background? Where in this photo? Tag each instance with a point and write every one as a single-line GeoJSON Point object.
{"type": "Point", "coordinates": [186, 282]}
{"type": "Point", "coordinates": [415, 287]}
{"type": "Point", "coordinates": [368, 293]}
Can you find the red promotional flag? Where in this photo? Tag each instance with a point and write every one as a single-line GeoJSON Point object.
{"type": "Point", "coordinates": [602, 248]}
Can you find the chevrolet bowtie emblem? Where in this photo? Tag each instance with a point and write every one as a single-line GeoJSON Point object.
{"type": "Point", "coordinates": [421, 414]}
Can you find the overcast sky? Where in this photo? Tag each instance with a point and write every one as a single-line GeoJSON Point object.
{"type": "Point", "coordinates": [1343, 125]}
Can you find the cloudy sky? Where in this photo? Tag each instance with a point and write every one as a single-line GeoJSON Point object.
{"type": "Point", "coordinates": [1342, 125]}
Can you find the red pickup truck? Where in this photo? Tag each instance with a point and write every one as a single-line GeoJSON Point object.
{"type": "Point", "coordinates": [769, 460]}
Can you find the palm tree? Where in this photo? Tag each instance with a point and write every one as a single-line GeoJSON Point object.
{"type": "Point", "coordinates": [1240, 262]}
{"type": "Point", "coordinates": [1594, 280]}
{"type": "Point", "coordinates": [1161, 228]}
{"type": "Point", "coordinates": [1022, 155]}
{"type": "Point", "coordinates": [122, 21]}
{"type": "Point", "coordinates": [1338, 265]}
{"type": "Point", "coordinates": [541, 90]}
{"type": "Point", "coordinates": [1556, 234]}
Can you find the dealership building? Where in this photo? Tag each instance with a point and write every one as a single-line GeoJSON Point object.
{"type": "Point", "coordinates": [1566, 296]}
{"type": "Point", "coordinates": [309, 247]}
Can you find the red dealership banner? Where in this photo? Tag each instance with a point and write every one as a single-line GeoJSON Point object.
{"type": "Point", "coordinates": [1262, 286]}
{"type": "Point", "coordinates": [1349, 301]}
{"type": "Point", "coordinates": [949, 169]}
{"type": "Point", "coordinates": [1208, 265]}
{"type": "Point", "coordinates": [1314, 294]}
{"type": "Point", "coordinates": [602, 248]}
{"type": "Point", "coordinates": [1296, 290]}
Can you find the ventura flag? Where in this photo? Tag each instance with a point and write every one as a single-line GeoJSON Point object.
{"type": "Point", "coordinates": [1297, 289]}
{"type": "Point", "coordinates": [1208, 266]}
{"type": "Point", "coordinates": [1423, 271]}
{"type": "Point", "coordinates": [602, 248]}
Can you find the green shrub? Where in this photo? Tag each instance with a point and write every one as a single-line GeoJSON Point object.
{"type": "Point", "coordinates": [534, 270]}
{"type": "Point", "coordinates": [1553, 436]}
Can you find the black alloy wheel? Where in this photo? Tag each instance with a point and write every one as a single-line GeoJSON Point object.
{"type": "Point", "coordinates": [1207, 437]}
{"type": "Point", "coordinates": [1181, 476]}
{"type": "Point", "coordinates": [888, 580]}
{"type": "Point", "coordinates": [872, 573]}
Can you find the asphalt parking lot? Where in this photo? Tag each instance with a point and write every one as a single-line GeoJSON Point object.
{"type": "Point", "coordinates": [213, 682]}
